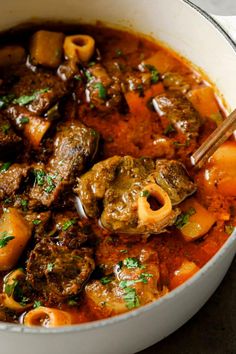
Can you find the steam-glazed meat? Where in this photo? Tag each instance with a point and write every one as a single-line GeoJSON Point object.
{"type": "Point", "coordinates": [124, 184]}
{"type": "Point", "coordinates": [69, 230]}
{"type": "Point", "coordinates": [134, 282]}
{"type": "Point", "coordinates": [74, 146]}
{"type": "Point", "coordinates": [103, 92]}
{"type": "Point", "coordinates": [57, 272]}
{"type": "Point", "coordinates": [11, 179]}
{"type": "Point", "coordinates": [38, 91]}
{"type": "Point", "coordinates": [180, 113]}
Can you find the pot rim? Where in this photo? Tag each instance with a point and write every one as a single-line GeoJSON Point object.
{"type": "Point", "coordinates": [17, 328]}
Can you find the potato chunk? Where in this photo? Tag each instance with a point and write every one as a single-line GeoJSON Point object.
{"type": "Point", "coordinates": [14, 235]}
{"type": "Point", "coordinates": [186, 271]}
{"type": "Point", "coordinates": [46, 48]}
{"type": "Point", "coordinates": [199, 222]}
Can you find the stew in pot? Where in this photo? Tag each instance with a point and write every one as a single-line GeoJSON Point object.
{"type": "Point", "coordinates": [101, 212]}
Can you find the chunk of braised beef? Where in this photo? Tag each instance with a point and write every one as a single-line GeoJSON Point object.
{"type": "Point", "coordinates": [74, 146]}
{"type": "Point", "coordinates": [180, 113]}
{"type": "Point", "coordinates": [11, 179]}
{"type": "Point", "coordinates": [10, 142]}
{"type": "Point", "coordinates": [69, 230]}
{"type": "Point", "coordinates": [40, 222]}
{"type": "Point", "coordinates": [103, 92]}
{"type": "Point", "coordinates": [56, 272]}
{"type": "Point", "coordinates": [42, 88]}
{"type": "Point", "coordinates": [174, 179]}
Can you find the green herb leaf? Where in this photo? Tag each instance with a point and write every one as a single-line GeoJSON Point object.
{"type": "Point", "coordinates": [140, 90]}
{"type": "Point", "coordinates": [123, 251]}
{"type": "Point", "coordinates": [37, 304]}
{"type": "Point", "coordinates": [9, 288]}
{"type": "Point", "coordinates": [5, 128]}
{"type": "Point", "coordinates": [36, 221]}
{"type": "Point", "coordinates": [50, 267]}
{"type": "Point", "coordinates": [39, 177]}
{"type": "Point", "coordinates": [24, 120]}
{"type": "Point", "coordinates": [50, 183]}
{"type": "Point", "coordinates": [131, 298]}
{"type": "Point", "coordinates": [119, 52]}
{"type": "Point", "coordinates": [183, 218]}
{"type": "Point", "coordinates": [154, 73]}
{"type": "Point", "coordinates": [145, 194]}
{"type": "Point", "coordinates": [5, 166]}
{"type": "Point", "coordinates": [72, 302]}
{"type": "Point", "coordinates": [26, 99]}
{"type": "Point", "coordinates": [105, 280]}
{"type": "Point", "coordinates": [5, 238]}
{"type": "Point", "coordinates": [102, 93]}
{"type": "Point", "coordinates": [24, 204]}
{"type": "Point", "coordinates": [131, 262]}
{"type": "Point", "coordinates": [169, 129]}
{"type": "Point", "coordinates": [78, 77]}
{"type": "Point", "coordinates": [5, 100]}
{"type": "Point", "coordinates": [67, 224]}
{"type": "Point", "coordinates": [88, 75]}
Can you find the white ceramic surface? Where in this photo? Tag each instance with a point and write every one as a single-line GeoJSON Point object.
{"type": "Point", "coordinates": [187, 31]}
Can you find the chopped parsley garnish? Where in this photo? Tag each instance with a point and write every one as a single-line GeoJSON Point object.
{"type": "Point", "coordinates": [119, 52]}
{"type": "Point", "coordinates": [144, 193]}
{"type": "Point", "coordinates": [142, 279]}
{"type": "Point", "coordinates": [36, 221]}
{"type": "Point", "coordinates": [72, 302]}
{"type": "Point", "coordinates": [229, 229]}
{"type": "Point", "coordinates": [24, 204]}
{"type": "Point", "coordinates": [24, 120]}
{"type": "Point", "coordinates": [5, 166]}
{"type": "Point", "coordinates": [78, 77]}
{"type": "Point", "coordinates": [131, 298]}
{"type": "Point", "coordinates": [37, 304]}
{"type": "Point", "coordinates": [183, 218]}
{"type": "Point", "coordinates": [154, 73]}
{"type": "Point", "coordinates": [105, 280]}
{"type": "Point", "coordinates": [39, 177]}
{"type": "Point", "coordinates": [169, 129]}
{"type": "Point", "coordinates": [67, 224]}
{"type": "Point", "coordinates": [5, 100]}
{"type": "Point", "coordinates": [5, 128]}
{"type": "Point", "coordinates": [50, 267]}
{"type": "Point", "coordinates": [140, 90]}
{"type": "Point", "coordinates": [102, 93]}
{"type": "Point", "coordinates": [9, 288]}
{"type": "Point", "coordinates": [5, 238]}
{"type": "Point", "coordinates": [131, 262]}
{"type": "Point", "coordinates": [123, 251]}
{"type": "Point", "coordinates": [91, 63]}
{"type": "Point", "coordinates": [50, 183]}
{"type": "Point", "coordinates": [88, 75]}
{"type": "Point", "coordinates": [26, 99]}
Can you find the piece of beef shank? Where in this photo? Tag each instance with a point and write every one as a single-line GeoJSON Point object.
{"type": "Point", "coordinates": [56, 272]}
{"type": "Point", "coordinates": [74, 146]}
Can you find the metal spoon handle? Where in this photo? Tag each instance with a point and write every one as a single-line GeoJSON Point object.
{"type": "Point", "coordinates": [211, 144]}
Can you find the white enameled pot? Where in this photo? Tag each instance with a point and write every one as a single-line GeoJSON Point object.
{"type": "Point", "coordinates": [197, 37]}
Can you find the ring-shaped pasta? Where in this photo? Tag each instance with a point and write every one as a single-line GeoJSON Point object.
{"type": "Point", "coordinates": [8, 299]}
{"type": "Point", "coordinates": [148, 216]}
{"type": "Point", "coordinates": [47, 317]}
{"type": "Point", "coordinates": [79, 47]}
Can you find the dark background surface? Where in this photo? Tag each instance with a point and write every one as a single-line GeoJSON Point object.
{"type": "Point", "coordinates": [212, 330]}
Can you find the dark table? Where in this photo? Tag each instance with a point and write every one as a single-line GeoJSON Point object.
{"type": "Point", "coordinates": [212, 330]}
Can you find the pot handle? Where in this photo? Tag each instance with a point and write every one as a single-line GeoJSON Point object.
{"type": "Point", "coordinates": [228, 23]}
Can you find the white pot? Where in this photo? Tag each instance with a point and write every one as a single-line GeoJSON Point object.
{"type": "Point", "coordinates": [188, 31]}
